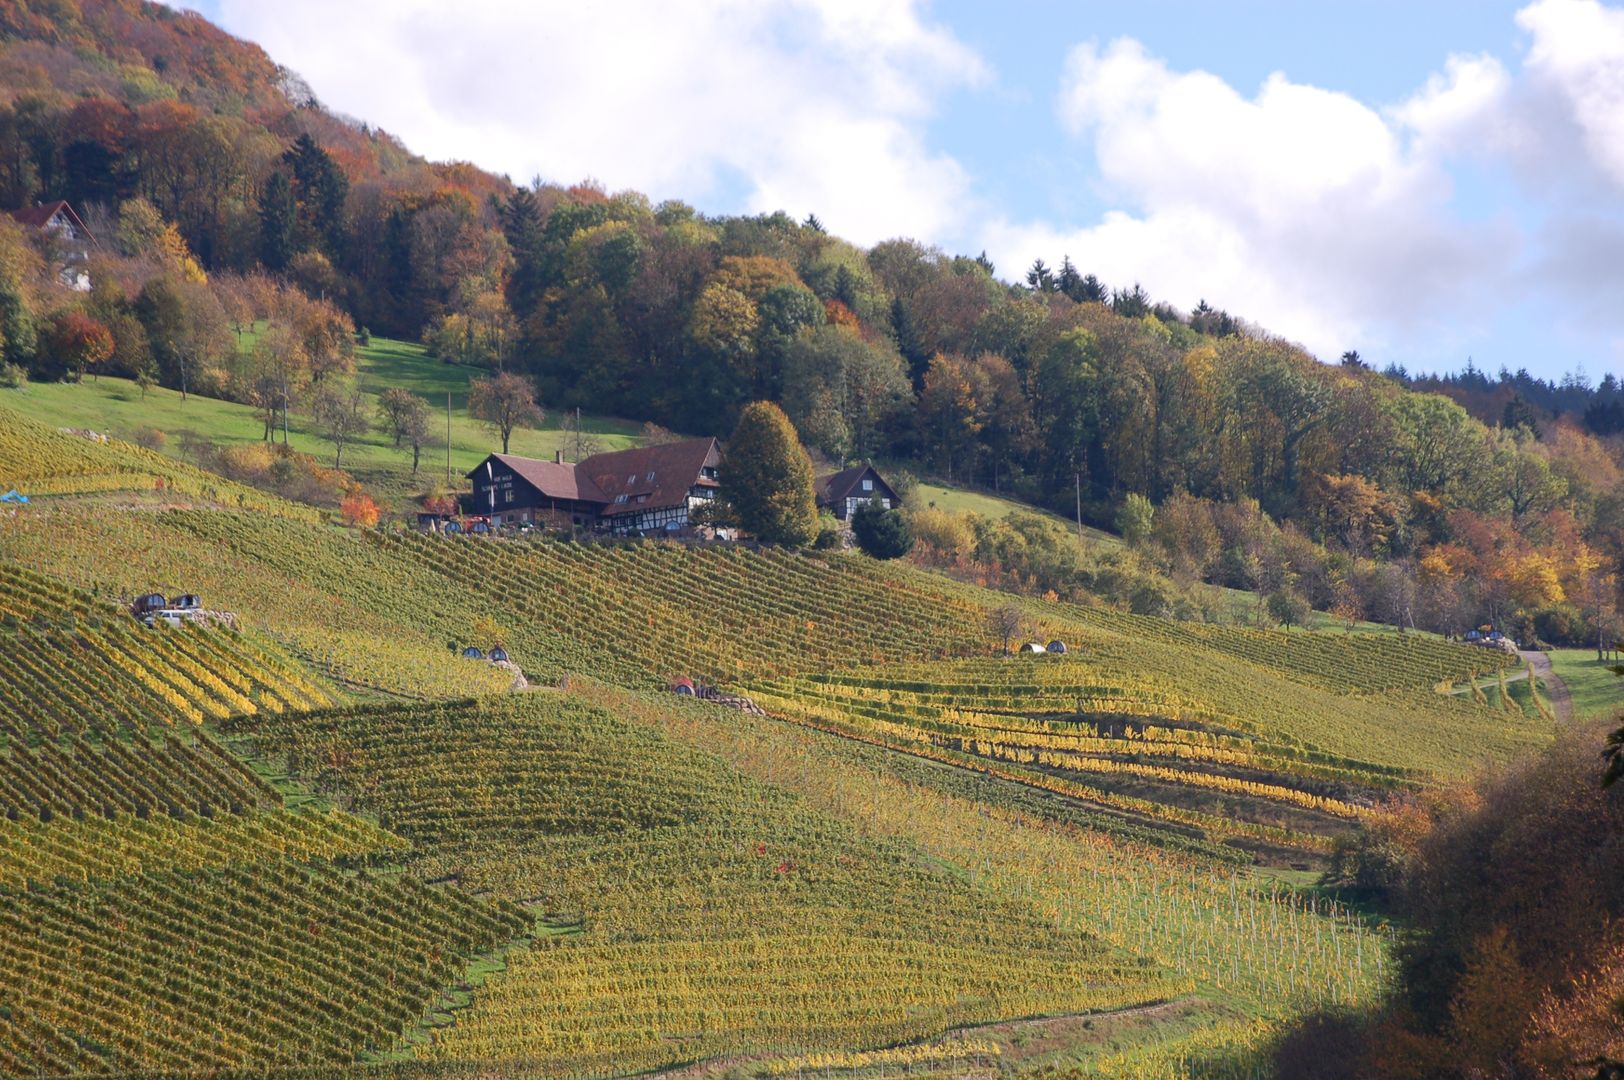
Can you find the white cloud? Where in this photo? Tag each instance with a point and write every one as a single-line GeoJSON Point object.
{"type": "Point", "coordinates": [1577, 52]}
{"type": "Point", "coordinates": [810, 105]}
{"type": "Point", "coordinates": [1300, 208]}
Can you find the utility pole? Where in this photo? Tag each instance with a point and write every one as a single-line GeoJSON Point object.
{"type": "Point", "coordinates": [448, 436]}
{"type": "Point", "coordinates": [1079, 475]}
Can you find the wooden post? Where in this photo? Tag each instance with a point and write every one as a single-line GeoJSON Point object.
{"type": "Point", "coordinates": [448, 436]}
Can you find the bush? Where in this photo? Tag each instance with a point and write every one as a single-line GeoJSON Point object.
{"type": "Point", "coordinates": [149, 437]}
{"type": "Point", "coordinates": [1135, 519]}
{"type": "Point", "coordinates": [828, 532]}
{"type": "Point", "coordinates": [949, 533]}
{"type": "Point", "coordinates": [881, 533]}
{"type": "Point", "coordinates": [12, 376]}
{"type": "Point", "coordinates": [1562, 624]}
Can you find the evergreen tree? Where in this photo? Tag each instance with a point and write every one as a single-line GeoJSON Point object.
{"type": "Point", "coordinates": [523, 227]}
{"type": "Point", "coordinates": [1040, 278]}
{"type": "Point", "coordinates": [1070, 281]}
{"type": "Point", "coordinates": [767, 478]}
{"type": "Point", "coordinates": [1131, 303]}
{"type": "Point", "coordinates": [278, 217]}
{"type": "Point", "coordinates": [881, 533]}
{"type": "Point", "coordinates": [320, 189]}
{"type": "Point", "coordinates": [1093, 290]}
{"type": "Point", "coordinates": [1518, 413]}
{"type": "Point", "coordinates": [909, 343]}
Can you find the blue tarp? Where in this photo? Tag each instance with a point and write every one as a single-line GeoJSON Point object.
{"type": "Point", "coordinates": [13, 496]}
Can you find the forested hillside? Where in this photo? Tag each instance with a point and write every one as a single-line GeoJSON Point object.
{"type": "Point", "coordinates": [245, 235]}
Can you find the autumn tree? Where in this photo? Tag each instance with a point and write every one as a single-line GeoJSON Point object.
{"type": "Point", "coordinates": [1287, 607]}
{"type": "Point", "coordinates": [1134, 519]}
{"type": "Point", "coordinates": [78, 342]}
{"type": "Point", "coordinates": [1007, 623]}
{"type": "Point", "coordinates": [949, 412]}
{"type": "Point", "coordinates": [504, 403]}
{"type": "Point", "coordinates": [766, 478]}
{"type": "Point", "coordinates": [404, 417]}
{"type": "Point", "coordinates": [339, 413]}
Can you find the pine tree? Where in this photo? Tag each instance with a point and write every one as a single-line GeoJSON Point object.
{"type": "Point", "coordinates": [767, 478]}
{"type": "Point", "coordinates": [277, 219]}
{"type": "Point", "coordinates": [320, 189]}
{"type": "Point", "coordinates": [1070, 281]}
{"type": "Point", "coordinates": [527, 240]}
{"type": "Point", "coordinates": [909, 343]}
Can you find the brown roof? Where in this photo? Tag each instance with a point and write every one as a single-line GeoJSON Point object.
{"type": "Point", "coordinates": [553, 479]}
{"type": "Point", "coordinates": [651, 477]}
{"type": "Point", "coordinates": [837, 486]}
{"type": "Point", "coordinates": [40, 216]}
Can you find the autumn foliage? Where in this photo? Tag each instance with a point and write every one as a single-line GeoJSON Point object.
{"type": "Point", "coordinates": [1511, 894]}
{"type": "Point", "coordinates": [358, 510]}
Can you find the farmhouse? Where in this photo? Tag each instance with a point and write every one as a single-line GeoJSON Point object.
{"type": "Point", "coordinates": [66, 235]}
{"type": "Point", "coordinates": [651, 489]}
{"type": "Point", "coordinates": [843, 492]}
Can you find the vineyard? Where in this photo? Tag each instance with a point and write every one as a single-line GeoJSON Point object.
{"type": "Point", "coordinates": [36, 459]}
{"type": "Point", "coordinates": [277, 963]}
{"type": "Point", "coordinates": [324, 843]}
{"type": "Point", "coordinates": [1120, 738]}
{"type": "Point", "coordinates": [710, 913]}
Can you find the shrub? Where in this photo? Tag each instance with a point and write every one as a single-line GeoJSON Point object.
{"type": "Point", "coordinates": [881, 533]}
{"type": "Point", "coordinates": [947, 532]}
{"type": "Point", "coordinates": [12, 376]}
{"type": "Point", "coordinates": [149, 437]}
{"type": "Point", "coordinates": [358, 509]}
{"type": "Point", "coordinates": [1135, 519]}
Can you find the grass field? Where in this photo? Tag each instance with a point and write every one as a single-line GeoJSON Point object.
{"type": "Point", "coordinates": [116, 407]}
{"type": "Point", "coordinates": [1598, 694]}
{"type": "Point", "coordinates": [962, 501]}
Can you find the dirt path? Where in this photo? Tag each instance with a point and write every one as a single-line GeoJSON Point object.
{"type": "Point", "coordinates": [1018, 1039]}
{"type": "Point", "coordinates": [1561, 698]}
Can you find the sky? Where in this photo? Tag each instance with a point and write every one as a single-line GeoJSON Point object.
{"type": "Point", "coordinates": [1426, 182]}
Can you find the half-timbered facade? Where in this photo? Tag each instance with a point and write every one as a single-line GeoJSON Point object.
{"type": "Point", "coordinates": [651, 489]}
{"type": "Point", "coordinates": [843, 492]}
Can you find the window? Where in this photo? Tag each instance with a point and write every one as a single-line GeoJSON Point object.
{"type": "Point", "coordinates": [868, 485]}
{"type": "Point", "coordinates": [632, 479]}
{"type": "Point", "coordinates": [620, 498]}
{"type": "Point", "coordinates": [651, 476]}
{"type": "Point", "coordinates": [507, 496]}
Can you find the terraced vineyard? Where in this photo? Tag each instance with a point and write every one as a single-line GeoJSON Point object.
{"type": "Point", "coordinates": [274, 964]}
{"type": "Point", "coordinates": [73, 664]}
{"type": "Point", "coordinates": [712, 914]}
{"type": "Point", "coordinates": [37, 459]}
{"type": "Point", "coordinates": [1347, 663]}
{"type": "Point", "coordinates": [1152, 732]}
{"type": "Point", "coordinates": [721, 609]}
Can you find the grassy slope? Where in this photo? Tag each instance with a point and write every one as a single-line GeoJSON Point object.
{"type": "Point", "coordinates": [1597, 693]}
{"type": "Point", "coordinates": [963, 501]}
{"type": "Point", "coordinates": [116, 407]}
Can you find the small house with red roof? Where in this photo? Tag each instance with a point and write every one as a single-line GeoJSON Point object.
{"type": "Point", "coordinates": [64, 232]}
